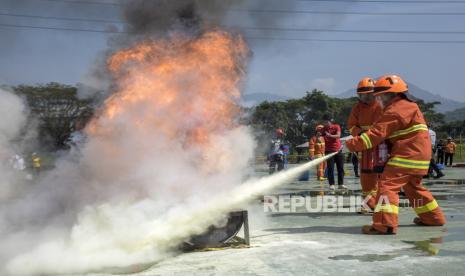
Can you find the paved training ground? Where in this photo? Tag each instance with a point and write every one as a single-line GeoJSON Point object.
{"type": "Point", "coordinates": [330, 244]}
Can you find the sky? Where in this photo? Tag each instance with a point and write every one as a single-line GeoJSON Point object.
{"type": "Point", "coordinates": [282, 67]}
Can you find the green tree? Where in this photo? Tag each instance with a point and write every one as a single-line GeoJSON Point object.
{"type": "Point", "coordinates": [300, 116]}
{"type": "Point", "coordinates": [434, 118]}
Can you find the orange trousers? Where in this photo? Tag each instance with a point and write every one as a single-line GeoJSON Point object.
{"type": "Point", "coordinates": [385, 217]}
{"type": "Point", "coordinates": [320, 169]}
{"type": "Point", "coordinates": [369, 182]}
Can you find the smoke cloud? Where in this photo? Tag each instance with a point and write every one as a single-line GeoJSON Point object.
{"type": "Point", "coordinates": [165, 141]}
{"type": "Point", "coordinates": [13, 113]}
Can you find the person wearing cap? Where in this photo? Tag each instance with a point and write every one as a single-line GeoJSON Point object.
{"type": "Point", "coordinates": [316, 148]}
{"type": "Point", "coordinates": [332, 136]}
{"type": "Point", "coordinates": [365, 112]}
{"type": "Point", "coordinates": [403, 128]}
{"type": "Point", "coordinates": [450, 151]}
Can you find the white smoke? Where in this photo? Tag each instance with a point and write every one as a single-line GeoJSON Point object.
{"type": "Point", "coordinates": [145, 192]}
{"type": "Point", "coordinates": [13, 116]}
{"type": "Point", "coordinates": [113, 237]}
{"type": "Point", "coordinates": [139, 168]}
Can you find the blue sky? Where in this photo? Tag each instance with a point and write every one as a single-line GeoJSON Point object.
{"type": "Point", "coordinates": [279, 67]}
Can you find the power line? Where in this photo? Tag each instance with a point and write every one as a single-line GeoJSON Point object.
{"type": "Point", "coordinates": [60, 18]}
{"type": "Point", "coordinates": [84, 2]}
{"type": "Point", "coordinates": [323, 30]}
{"type": "Point", "coordinates": [388, 1]}
{"type": "Point", "coordinates": [325, 1]}
{"type": "Point", "coordinates": [360, 40]}
{"type": "Point", "coordinates": [254, 37]}
{"type": "Point", "coordinates": [60, 29]}
{"type": "Point", "coordinates": [307, 11]}
{"type": "Point", "coordinates": [352, 13]}
{"type": "Point", "coordinates": [290, 29]}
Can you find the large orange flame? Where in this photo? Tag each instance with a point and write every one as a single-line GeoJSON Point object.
{"type": "Point", "coordinates": [185, 88]}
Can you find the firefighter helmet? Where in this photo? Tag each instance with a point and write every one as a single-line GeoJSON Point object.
{"type": "Point", "coordinates": [390, 84]}
{"type": "Point", "coordinates": [366, 86]}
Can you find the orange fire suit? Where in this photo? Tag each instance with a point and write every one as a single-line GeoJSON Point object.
{"type": "Point", "coordinates": [361, 119]}
{"type": "Point", "coordinates": [403, 127]}
{"type": "Point", "coordinates": [317, 149]}
{"type": "Point", "coordinates": [450, 147]}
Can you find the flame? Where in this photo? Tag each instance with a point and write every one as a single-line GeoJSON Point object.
{"type": "Point", "coordinates": [184, 88]}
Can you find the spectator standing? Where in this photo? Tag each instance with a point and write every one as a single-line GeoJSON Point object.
{"type": "Point", "coordinates": [332, 135]}
{"type": "Point", "coordinates": [278, 152]}
{"type": "Point", "coordinates": [440, 152]}
{"type": "Point", "coordinates": [355, 162]}
{"type": "Point", "coordinates": [433, 167]}
{"type": "Point", "coordinates": [450, 151]}
{"type": "Point", "coordinates": [36, 163]}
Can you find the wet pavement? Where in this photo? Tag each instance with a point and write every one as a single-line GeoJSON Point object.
{"type": "Point", "coordinates": [330, 243]}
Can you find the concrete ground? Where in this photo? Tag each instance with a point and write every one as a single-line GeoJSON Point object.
{"type": "Point", "coordinates": [331, 243]}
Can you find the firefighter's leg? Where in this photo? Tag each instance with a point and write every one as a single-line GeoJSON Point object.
{"type": "Point", "coordinates": [385, 217]}
{"type": "Point", "coordinates": [280, 164]}
{"type": "Point", "coordinates": [319, 169]}
{"type": "Point", "coordinates": [369, 183]}
{"type": "Point", "coordinates": [424, 203]}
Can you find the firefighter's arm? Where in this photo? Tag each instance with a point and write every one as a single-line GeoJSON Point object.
{"type": "Point", "coordinates": [381, 130]}
{"type": "Point", "coordinates": [352, 123]}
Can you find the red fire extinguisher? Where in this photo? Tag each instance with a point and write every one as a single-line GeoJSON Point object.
{"type": "Point", "coordinates": [381, 157]}
{"type": "Point", "coordinates": [368, 161]}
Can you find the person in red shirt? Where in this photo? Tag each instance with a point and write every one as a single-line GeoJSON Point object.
{"type": "Point", "coordinates": [332, 135]}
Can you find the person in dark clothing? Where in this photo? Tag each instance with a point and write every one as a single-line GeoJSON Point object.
{"type": "Point", "coordinates": [354, 159]}
{"type": "Point", "coordinates": [433, 167]}
{"type": "Point", "coordinates": [277, 155]}
{"type": "Point", "coordinates": [332, 135]}
{"type": "Point", "coordinates": [440, 152]}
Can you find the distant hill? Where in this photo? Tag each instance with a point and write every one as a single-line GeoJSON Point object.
{"type": "Point", "coordinates": [456, 115]}
{"type": "Point", "coordinates": [445, 106]}
{"type": "Point", "coordinates": [250, 100]}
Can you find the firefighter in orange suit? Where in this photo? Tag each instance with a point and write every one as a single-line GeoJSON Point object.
{"type": "Point", "coordinates": [404, 129]}
{"type": "Point", "coordinates": [361, 118]}
{"type": "Point", "coordinates": [317, 150]}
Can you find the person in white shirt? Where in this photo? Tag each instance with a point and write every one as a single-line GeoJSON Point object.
{"type": "Point", "coordinates": [433, 167]}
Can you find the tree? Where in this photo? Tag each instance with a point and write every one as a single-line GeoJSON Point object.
{"type": "Point", "coordinates": [431, 116]}
{"type": "Point", "coordinates": [58, 110]}
{"type": "Point", "coordinates": [299, 117]}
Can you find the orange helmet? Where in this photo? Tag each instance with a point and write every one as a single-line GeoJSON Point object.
{"type": "Point", "coordinates": [319, 127]}
{"type": "Point", "coordinates": [390, 84]}
{"type": "Point", "coordinates": [366, 86]}
{"type": "Point", "coordinates": [279, 132]}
